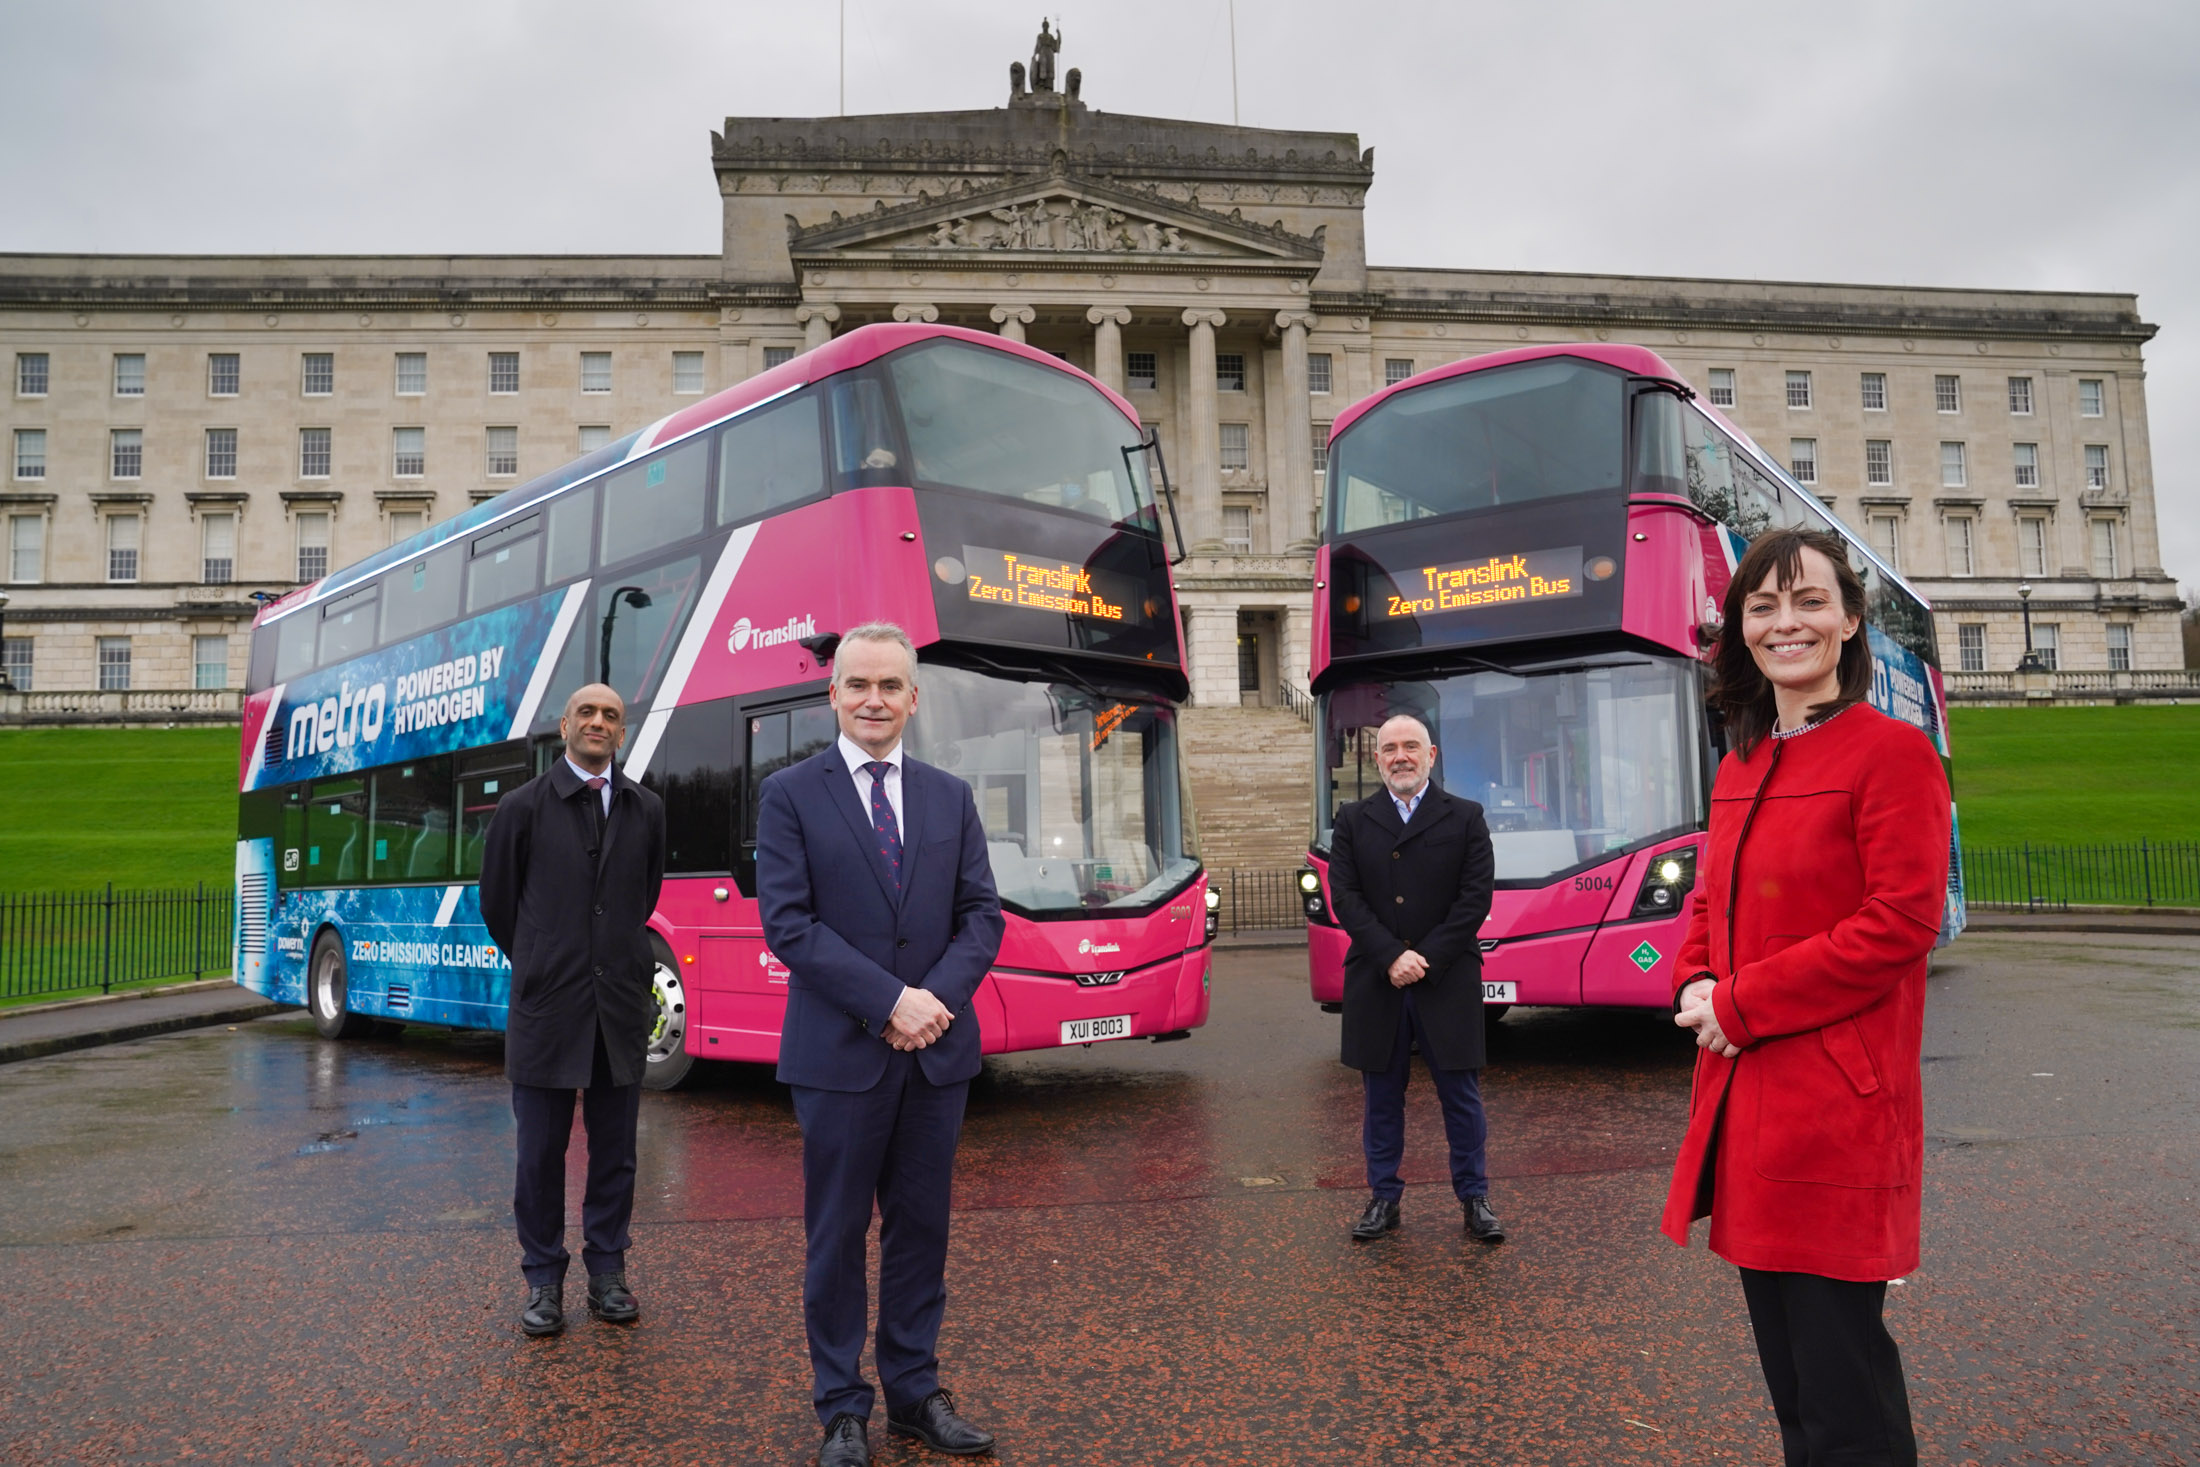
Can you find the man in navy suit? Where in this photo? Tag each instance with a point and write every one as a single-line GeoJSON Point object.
{"type": "Point", "coordinates": [877, 893]}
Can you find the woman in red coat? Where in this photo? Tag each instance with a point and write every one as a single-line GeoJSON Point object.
{"type": "Point", "coordinates": [1803, 974]}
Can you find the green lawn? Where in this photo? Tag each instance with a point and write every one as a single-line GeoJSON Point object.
{"type": "Point", "coordinates": [2073, 776]}
{"type": "Point", "coordinates": [139, 807]}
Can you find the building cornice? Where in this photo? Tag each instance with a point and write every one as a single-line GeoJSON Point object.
{"type": "Point", "coordinates": [105, 284]}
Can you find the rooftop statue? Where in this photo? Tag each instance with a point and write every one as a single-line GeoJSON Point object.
{"type": "Point", "coordinates": [1042, 58]}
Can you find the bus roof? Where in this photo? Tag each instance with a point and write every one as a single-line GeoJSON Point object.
{"type": "Point", "coordinates": [857, 348]}
{"type": "Point", "coordinates": [1639, 361]}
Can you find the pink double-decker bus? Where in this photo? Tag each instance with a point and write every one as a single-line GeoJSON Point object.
{"type": "Point", "coordinates": [1529, 550]}
{"type": "Point", "coordinates": [993, 501]}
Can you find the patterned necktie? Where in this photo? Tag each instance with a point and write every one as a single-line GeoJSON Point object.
{"type": "Point", "coordinates": [882, 818]}
{"type": "Point", "coordinates": [595, 785]}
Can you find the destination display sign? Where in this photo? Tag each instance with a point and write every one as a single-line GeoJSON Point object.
{"type": "Point", "coordinates": [1029, 582]}
{"type": "Point", "coordinates": [1495, 580]}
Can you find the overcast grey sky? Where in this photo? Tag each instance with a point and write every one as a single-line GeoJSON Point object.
{"type": "Point", "coordinates": [2023, 145]}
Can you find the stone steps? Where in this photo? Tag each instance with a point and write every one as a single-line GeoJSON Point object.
{"type": "Point", "coordinates": [1252, 778]}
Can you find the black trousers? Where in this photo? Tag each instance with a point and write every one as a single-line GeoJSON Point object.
{"type": "Point", "coordinates": [1832, 1368]}
{"type": "Point", "coordinates": [609, 1113]}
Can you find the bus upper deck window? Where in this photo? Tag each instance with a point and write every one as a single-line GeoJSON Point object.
{"type": "Point", "coordinates": [350, 625]}
{"type": "Point", "coordinates": [769, 458]}
{"type": "Point", "coordinates": [1660, 463]}
{"type": "Point", "coordinates": [655, 503]}
{"type": "Point", "coordinates": [420, 594]}
{"type": "Point", "coordinates": [863, 439]}
{"type": "Point", "coordinates": [504, 564]}
{"type": "Point", "coordinates": [294, 637]}
{"type": "Point", "coordinates": [572, 520]}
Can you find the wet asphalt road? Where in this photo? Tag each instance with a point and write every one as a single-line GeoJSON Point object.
{"type": "Point", "coordinates": [251, 1245]}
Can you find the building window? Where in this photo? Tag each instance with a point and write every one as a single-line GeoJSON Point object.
{"type": "Point", "coordinates": [1947, 395]}
{"type": "Point", "coordinates": [504, 371]}
{"type": "Point", "coordinates": [2096, 466]}
{"type": "Point", "coordinates": [1875, 392]}
{"type": "Point", "coordinates": [1320, 377]}
{"type": "Point", "coordinates": [408, 452]}
{"type": "Point", "coordinates": [2020, 396]}
{"type": "Point", "coordinates": [777, 356]}
{"type": "Point", "coordinates": [503, 452]}
{"type": "Point", "coordinates": [1952, 473]}
{"type": "Point", "coordinates": [221, 453]}
{"type": "Point", "coordinates": [595, 372]}
{"type": "Point", "coordinates": [1722, 387]}
{"type": "Point", "coordinates": [2032, 545]}
{"type": "Point", "coordinates": [1143, 369]}
{"type": "Point", "coordinates": [2107, 564]}
{"type": "Point", "coordinates": [1396, 370]}
{"type": "Point", "coordinates": [1971, 647]}
{"type": "Point", "coordinates": [1321, 449]}
{"type": "Point", "coordinates": [2089, 397]}
{"type": "Point", "coordinates": [312, 544]}
{"type": "Point", "coordinates": [687, 371]}
{"type": "Point", "coordinates": [320, 374]}
{"type": "Point", "coordinates": [26, 547]}
{"type": "Point", "coordinates": [1803, 460]}
{"type": "Point", "coordinates": [126, 453]}
{"type": "Point", "coordinates": [1878, 461]}
{"type": "Point", "coordinates": [412, 373]}
{"type": "Point", "coordinates": [114, 664]}
{"type": "Point", "coordinates": [1237, 528]}
{"type": "Point", "coordinates": [15, 660]}
{"type": "Point", "coordinates": [31, 373]}
{"type": "Point", "coordinates": [1962, 545]}
{"type": "Point", "coordinates": [595, 436]}
{"type": "Point", "coordinates": [2027, 460]}
{"type": "Point", "coordinates": [1235, 450]}
{"type": "Point", "coordinates": [2047, 641]}
{"type": "Point", "coordinates": [130, 374]}
{"type": "Point", "coordinates": [210, 662]}
{"type": "Point", "coordinates": [217, 549]}
{"type": "Point", "coordinates": [406, 523]}
{"type": "Point", "coordinates": [122, 547]}
{"type": "Point", "coordinates": [30, 453]}
{"type": "Point", "coordinates": [2119, 646]}
{"type": "Point", "coordinates": [1886, 532]}
{"type": "Point", "coordinates": [1230, 371]}
{"type": "Point", "coordinates": [222, 374]}
{"type": "Point", "coordinates": [313, 453]}
{"type": "Point", "coordinates": [1798, 389]}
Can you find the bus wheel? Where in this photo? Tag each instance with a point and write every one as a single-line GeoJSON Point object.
{"type": "Point", "coordinates": [1492, 1012]}
{"type": "Point", "coordinates": [328, 992]}
{"type": "Point", "coordinates": [669, 1062]}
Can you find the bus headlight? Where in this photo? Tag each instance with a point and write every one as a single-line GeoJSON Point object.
{"type": "Point", "coordinates": [1666, 885]}
{"type": "Point", "coordinates": [1308, 881]}
{"type": "Point", "coordinates": [1214, 913]}
{"type": "Point", "coordinates": [1310, 897]}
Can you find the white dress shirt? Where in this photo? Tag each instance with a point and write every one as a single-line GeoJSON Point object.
{"type": "Point", "coordinates": [586, 776]}
{"type": "Point", "coordinates": [853, 753]}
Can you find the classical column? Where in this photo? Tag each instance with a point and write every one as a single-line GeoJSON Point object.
{"type": "Point", "coordinates": [1107, 344]}
{"type": "Point", "coordinates": [1202, 446]}
{"type": "Point", "coordinates": [1012, 320]}
{"type": "Point", "coordinates": [916, 311]}
{"type": "Point", "coordinates": [816, 323]}
{"type": "Point", "coordinates": [1296, 503]}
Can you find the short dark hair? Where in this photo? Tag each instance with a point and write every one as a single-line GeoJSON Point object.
{"type": "Point", "coordinates": [1740, 691]}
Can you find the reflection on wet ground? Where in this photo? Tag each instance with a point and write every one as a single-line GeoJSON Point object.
{"type": "Point", "coordinates": [253, 1245]}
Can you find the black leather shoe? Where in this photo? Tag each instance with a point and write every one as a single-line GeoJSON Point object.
{"type": "Point", "coordinates": [610, 1300]}
{"type": "Point", "coordinates": [545, 1311]}
{"type": "Point", "coordinates": [1381, 1216]}
{"type": "Point", "coordinates": [1482, 1223]}
{"type": "Point", "coordinates": [847, 1443]}
{"type": "Point", "coordinates": [933, 1421]}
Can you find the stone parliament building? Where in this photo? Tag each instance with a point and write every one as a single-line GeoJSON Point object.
{"type": "Point", "coordinates": [185, 431]}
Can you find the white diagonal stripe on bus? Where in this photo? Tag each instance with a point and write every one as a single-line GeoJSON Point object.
{"type": "Point", "coordinates": [450, 905]}
{"type": "Point", "coordinates": [257, 765]}
{"type": "Point", "coordinates": [645, 441]}
{"type": "Point", "coordinates": [699, 629]}
{"type": "Point", "coordinates": [546, 666]}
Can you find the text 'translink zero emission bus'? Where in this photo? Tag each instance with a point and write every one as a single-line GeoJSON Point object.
{"type": "Point", "coordinates": [990, 499]}
{"type": "Point", "coordinates": [1530, 550]}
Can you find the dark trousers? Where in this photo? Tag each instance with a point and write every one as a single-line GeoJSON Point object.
{"type": "Point", "coordinates": [1383, 1131]}
{"type": "Point", "coordinates": [894, 1143]}
{"type": "Point", "coordinates": [545, 1116]}
{"type": "Point", "coordinates": [1834, 1372]}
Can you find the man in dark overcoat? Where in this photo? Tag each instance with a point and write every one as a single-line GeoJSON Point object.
{"type": "Point", "coordinates": [1410, 875]}
{"type": "Point", "coordinates": [569, 878]}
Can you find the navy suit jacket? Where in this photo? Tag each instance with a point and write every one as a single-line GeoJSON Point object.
{"type": "Point", "coordinates": [850, 941]}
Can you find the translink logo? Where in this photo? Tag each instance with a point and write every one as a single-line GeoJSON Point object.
{"type": "Point", "coordinates": [747, 634]}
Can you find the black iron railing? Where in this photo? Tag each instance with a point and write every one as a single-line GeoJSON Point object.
{"type": "Point", "coordinates": [1299, 701]}
{"type": "Point", "coordinates": [56, 942]}
{"type": "Point", "coordinates": [1258, 901]}
{"type": "Point", "coordinates": [2127, 874]}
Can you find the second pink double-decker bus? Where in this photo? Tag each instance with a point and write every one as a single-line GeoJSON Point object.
{"type": "Point", "coordinates": [990, 499]}
{"type": "Point", "coordinates": [1529, 551]}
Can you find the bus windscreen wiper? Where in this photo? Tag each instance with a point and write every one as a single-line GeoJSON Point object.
{"type": "Point", "coordinates": [1151, 443]}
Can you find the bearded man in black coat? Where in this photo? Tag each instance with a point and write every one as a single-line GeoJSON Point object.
{"type": "Point", "coordinates": [1411, 872]}
{"type": "Point", "coordinates": [569, 879]}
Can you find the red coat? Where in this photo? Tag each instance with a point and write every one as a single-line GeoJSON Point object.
{"type": "Point", "coordinates": [1807, 1149]}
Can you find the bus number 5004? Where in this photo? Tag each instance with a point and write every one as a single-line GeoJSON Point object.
{"type": "Point", "coordinates": [1594, 883]}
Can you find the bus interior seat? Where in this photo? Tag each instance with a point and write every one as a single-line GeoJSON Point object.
{"type": "Point", "coordinates": [431, 846]}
